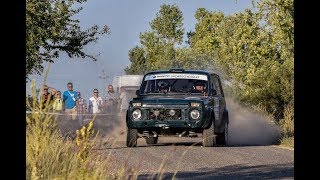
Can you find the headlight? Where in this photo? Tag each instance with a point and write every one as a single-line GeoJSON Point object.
{"type": "Point", "coordinates": [136, 114]}
{"type": "Point", "coordinates": [137, 104]}
{"type": "Point", "coordinates": [172, 112]}
{"type": "Point", "coordinates": [193, 104]}
{"type": "Point", "coordinates": [195, 114]}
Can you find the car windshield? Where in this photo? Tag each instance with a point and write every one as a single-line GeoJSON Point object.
{"type": "Point", "coordinates": [173, 83]}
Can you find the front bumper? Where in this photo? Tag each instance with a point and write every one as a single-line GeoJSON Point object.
{"type": "Point", "coordinates": [184, 122]}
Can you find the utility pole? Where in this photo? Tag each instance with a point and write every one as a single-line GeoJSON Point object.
{"type": "Point", "coordinates": [104, 77]}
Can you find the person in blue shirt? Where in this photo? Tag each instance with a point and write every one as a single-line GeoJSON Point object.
{"type": "Point", "coordinates": [70, 100]}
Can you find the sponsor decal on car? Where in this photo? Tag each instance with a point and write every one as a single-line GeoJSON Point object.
{"type": "Point", "coordinates": [176, 76]}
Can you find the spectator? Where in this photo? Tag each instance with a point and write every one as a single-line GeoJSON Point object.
{"type": "Point", "coordinates": [82, 108]}
{"type": "Point", "coordinates": [70, 102]}
{"type": "Point", "coordinates": [95, 103]}
{"type": "Point", "coordinates": [57, 102]}
{"type": "Point", "coordinates": [46, 96]}
{"type": "Point", "coordinates": [112, 100]}
{"type": "Point", "coordinates": [124, 100]}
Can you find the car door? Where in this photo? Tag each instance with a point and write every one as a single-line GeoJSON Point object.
{"type": "Point", "coordinates": [219, 97]}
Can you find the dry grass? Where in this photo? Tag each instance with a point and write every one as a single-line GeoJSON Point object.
{"type": "Point", "coordinates": [287, 142]}
{"type": "Point", "coordinates": [287, 127]}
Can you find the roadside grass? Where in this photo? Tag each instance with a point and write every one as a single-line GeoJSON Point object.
{"type": "Point", "coordinates": [287, 127]}
{"type": "Point", "coordinates": [287, 142]}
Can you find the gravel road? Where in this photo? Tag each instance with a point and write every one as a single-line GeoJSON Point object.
{"type": "Point", "coordinates": [191, 160]}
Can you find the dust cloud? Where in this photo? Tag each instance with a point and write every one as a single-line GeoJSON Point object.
{"type": "Point", "coordinates": [247, 127]}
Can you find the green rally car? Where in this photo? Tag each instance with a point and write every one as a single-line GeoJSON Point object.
{"type": "Point", "coordinates": [178, 102]}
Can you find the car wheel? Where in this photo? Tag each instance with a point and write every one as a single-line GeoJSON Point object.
{"type": "Point", "coordinates": [132, 137]}
{"type": "Point", "coordinates": [208, 137]}
{"type": "Point", "coordinates": [152, 140]}
{"type": "Point", "coordinates": [222, 139]}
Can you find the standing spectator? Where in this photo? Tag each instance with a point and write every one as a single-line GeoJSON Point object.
{"type": "Point", "coordinates": [57, 102]}
{"type": "Point", "coordinates": [47, 96]}
{"type": "Point", "coordinates": [111, 100]}
{"type": "Point", "coordinates": [124, 100]}
{"type": "Point", "coordinates": [70, 102]}
{"type": "Point", "coordinates": [82, 108]}
{"type": "Point", "coordinates": [95, 103]}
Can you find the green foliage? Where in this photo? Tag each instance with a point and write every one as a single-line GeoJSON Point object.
{"type": "Point", "coordinates": [189, 59]}
{"type": "Point", "coordinates": [255, 50]}
{"type": "Point", "coordinates": [168, 24]}
{"type": "Point", "coordinates": [138, 61]}
{"type": "Point", "coordinates": [50, 30]}
{"type": "Point", "coordinates": [158, 45]}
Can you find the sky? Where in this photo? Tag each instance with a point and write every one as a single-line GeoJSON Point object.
{"type": "Point", "coordinates": [126, 20]}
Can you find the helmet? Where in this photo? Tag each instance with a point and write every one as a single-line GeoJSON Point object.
{"type": "Point", "coordinates": [163, 83]}
{"type": "Point", "coordinates": [199, 83]}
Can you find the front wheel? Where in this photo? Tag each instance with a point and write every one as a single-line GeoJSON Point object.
{"type": "Point", "coordinates": [132, 137]}
{"type": "Point", "coordinates": [222, 139]}
{"type": "Point", "coordinates": [208, 137]}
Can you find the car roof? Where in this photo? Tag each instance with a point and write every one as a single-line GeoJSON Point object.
{"type": "Point", "coordinates": [182, 71]}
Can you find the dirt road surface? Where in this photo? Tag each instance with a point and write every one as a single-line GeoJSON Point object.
{"type": "Point", "coordinates": [191, 160]}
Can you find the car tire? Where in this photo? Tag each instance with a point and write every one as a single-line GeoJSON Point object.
{"type": "Point", "coordinates": [151, 140]}
{"type": "Point", "coordinates": [222, 139]}
{"type": "Point", "coordinates": [132, 137]}
{"type": "Point", "coordinates": [208, 137]}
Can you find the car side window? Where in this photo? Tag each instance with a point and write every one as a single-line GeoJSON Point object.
{"type": "Point", "coordinates": [216, 84]}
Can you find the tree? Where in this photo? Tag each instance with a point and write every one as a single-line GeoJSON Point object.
{"type": "Point", "coordinates": [255, 50]}
{"type": "Point", "coordinates": [168, 24]}
{"type": "Point", "coordinates": [51, 30]}
{"type": "Point", "coordinates": [159, 43]}
{"type": "Point", "coordinates": [138, 61]}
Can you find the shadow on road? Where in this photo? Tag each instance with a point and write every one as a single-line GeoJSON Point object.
{"type": "Point", "coordinates": [240, 171]}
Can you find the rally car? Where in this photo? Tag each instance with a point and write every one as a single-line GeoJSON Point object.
{"type": "Point", "coordinates": [178, 102]}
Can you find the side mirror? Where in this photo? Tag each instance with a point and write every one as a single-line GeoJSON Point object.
{"type": "Point", "coordinates": [137, 92]}
{"type": "Point", "coordinates": [214, 92]}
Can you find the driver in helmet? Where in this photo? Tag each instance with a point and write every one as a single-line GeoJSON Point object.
{"type": "Point", "coordinates": [199, 87]}
{"type": "Point", "coordinates": [163, 86]}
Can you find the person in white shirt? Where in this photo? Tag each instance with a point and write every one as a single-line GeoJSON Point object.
{"type": "Point", "coordinates": [124, 100]}
{"type": "Point", "coordinates": [95, 103]}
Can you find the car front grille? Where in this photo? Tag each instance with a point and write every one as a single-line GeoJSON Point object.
{"type": "Point", "coordinates": [163, 114]}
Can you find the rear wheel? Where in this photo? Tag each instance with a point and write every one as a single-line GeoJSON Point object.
{"type": "Point", "coordinates": [208, 137]}
{"type": "Point", "coordinates": [152, 140]}
{"type": "Point", "coordinates": [132, 137]}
